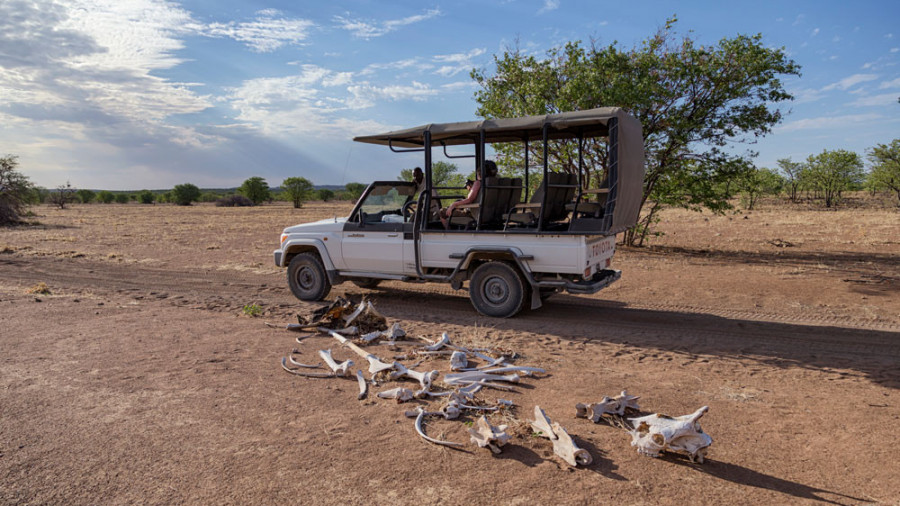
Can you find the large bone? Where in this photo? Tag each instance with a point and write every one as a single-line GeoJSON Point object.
{"type": "Point", "coordinates": [298, 364]}
{"type": "Point", "coordinates": [363, 385]}
{"type": "Point", "coordinates": [626, 402]}
{"type": "Point", "coordinates": [339, 369]}
{"type": "Point", "coordinates": [424, 378]}
{"type": "Point", "coordinates": [563, 445]}
{"type": "Point", "coordinates": [655, 433]}
{"type": "Point", "coordinates": [486, 435]}
{"type": "Point", "coordinates": [390, 334]}
{"type": "Point", "coordinates": [445, 340]}
{"type": "Point", "coordinates": [608, 406]}
{"type": "Point", "coordinates": [375, 365]}
{"type": "Point", "coordinates": [421, 432]}
{"type": "Point", "coordinates": [400, 394]}
{"type": "Point", "coordinates": [476, 376]}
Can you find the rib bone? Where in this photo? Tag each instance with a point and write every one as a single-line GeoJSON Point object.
{"type": "Point", "coordinates": [339, 369]}
{"type": "Point", "coordinates": [430, 439]}
{"type": "Point", "coordinates": [563, 445]}
{"type": "Point", "coordinates": [303, 373]}
{"type": "Point", "coordinates": [486, 435]}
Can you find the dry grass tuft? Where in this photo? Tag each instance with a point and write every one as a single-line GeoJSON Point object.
{"type": "Point", "coordinates": [39, 289]}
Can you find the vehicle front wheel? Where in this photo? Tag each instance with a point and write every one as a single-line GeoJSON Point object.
{"type": "Point", "coordinates": [497, 289]}
{"type": "Point", "coordinates": [307, 277]}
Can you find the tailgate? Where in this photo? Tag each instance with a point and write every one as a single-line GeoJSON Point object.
{"type": "Point", "coordinates": [598, 254]}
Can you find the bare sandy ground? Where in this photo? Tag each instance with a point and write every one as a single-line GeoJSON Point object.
{"type": "Point", "coordinates": [137, 379]}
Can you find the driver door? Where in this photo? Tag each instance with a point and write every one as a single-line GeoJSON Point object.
{"type": "Point", "coordinates": [373, 237]}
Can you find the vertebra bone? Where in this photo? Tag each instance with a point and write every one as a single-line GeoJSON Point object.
{"type": "Point", "coordinates": [486, 435]}
{"type": "Point", "coordinates": [563, 445]}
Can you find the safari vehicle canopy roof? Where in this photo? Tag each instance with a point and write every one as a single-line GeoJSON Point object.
{"type": "Point", "coordinates": [626, 163]}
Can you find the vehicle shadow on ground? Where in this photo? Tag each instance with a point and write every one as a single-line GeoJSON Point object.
{"type": "Point", "coordinates": [690, 335]}
{"type": "Point", "coordinates": [748, 477]}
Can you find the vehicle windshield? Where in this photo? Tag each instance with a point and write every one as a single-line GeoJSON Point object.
{"type": "Point", "coordinates": [384, 203]}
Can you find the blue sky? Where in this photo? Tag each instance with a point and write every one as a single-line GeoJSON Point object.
{"type": "Point", "coordinates": [131, 94]}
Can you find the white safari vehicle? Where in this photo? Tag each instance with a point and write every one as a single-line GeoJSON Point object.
{"type": "Point", "coordinates": [511, 247]}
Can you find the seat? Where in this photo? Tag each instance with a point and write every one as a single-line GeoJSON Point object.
{"type": "Point", "coordinates": [468, 216]}
{"type": "Point", "coordinates": [560, 189]}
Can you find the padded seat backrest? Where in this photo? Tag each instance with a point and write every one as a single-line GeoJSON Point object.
{"type": "Point", "coordinates": [490, 199]}
{"type": "Point", "coordinates": [515, 193]}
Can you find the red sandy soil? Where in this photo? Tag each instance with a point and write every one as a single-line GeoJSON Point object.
{"type": "Point", "coordinates": [138, 379]}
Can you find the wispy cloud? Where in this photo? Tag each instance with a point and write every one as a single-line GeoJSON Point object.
{"type": "Point", "coordinates": [452, 64]}
{"type": "Point", "coordinates": [823, 122]}
{"type": "Point", "coordinates": [371, 29]}
{"type": "Point", "coordinates": [851, 81]}
{"type": "Point", "coordinates": [549, 5]}
{"type": "Point", "coordinates": [264, 34]}
{"type": "Point", "coordinates": [889, 84]}
{"type": "Point", "coordinates": [876, 100]}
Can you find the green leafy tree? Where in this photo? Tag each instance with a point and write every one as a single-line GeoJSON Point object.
{"type": "Point", "coordinates": [325, 194]}
{"type": "Point", "coordinates": [256, 189]}
{"type": "Point", "coordinates": [106, 197]}
{"type": "Point", "coordinates": [833, 172]}
{"type": "Point", "coordinates": [297, 190]}
{"type": "Point", "coordinates": [442, 174]}
{"type": "Point", "coordinates": [16, 192]}
{"type": "Point", "coordinates": [122, 198]}
{"type": "Point", "coordinates": [146, 197]}
{"type": "Point", "coordinates": [86, 195]}
{"type": "Point", "coordinates": [885, 174]}
{"type": "Point", "coordinates": [184, 194]}
{"type": "Point", "coordinates": [793, 173]}
{"type": "Point", "coordinates": [694, 101]}
{"type": "Point", "coordinates": [757, 183]}
{"type": "Point", "coordinates": [354, 190]}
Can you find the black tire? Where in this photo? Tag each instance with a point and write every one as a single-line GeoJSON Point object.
{"type": "Point", "coordinates": [366, 282]}
{"type": "Point", "coordinates": [497, 289]}
{"type": "Point", "coordinates": [307, 277]}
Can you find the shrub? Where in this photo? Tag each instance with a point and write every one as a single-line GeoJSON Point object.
{"type": "Point", "coordinates": [208, 197]}
{"type": "Point", "coordinates": [122, 198]}
{"type": "Point", "coordinates": [146, 197]}
{"type": "Point", "coordinates": [15, 191]}
{"type": "Point", "coordinates": [325, 194]}
{"type": "Point", "coordinates": [184, 194]}
{"type": "Point", "coordinates": [234, 201]}
{"type": "Point", "coordinates": [86, 195]}
{"type": "Point", "coordinates": [64, 194]}
{"type": "Point", "coordinates": [106, 197]}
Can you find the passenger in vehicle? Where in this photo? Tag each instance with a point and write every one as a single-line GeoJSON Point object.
{"type": "Point", "coordinates": [490, 170]}
{"type": "Point", "coordinates": [419, 179]}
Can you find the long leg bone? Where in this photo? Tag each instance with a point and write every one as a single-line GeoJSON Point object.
{"type": "Point", "coordinates": [445, 340]}
{"type": "Point", "coordinates": [424, 378]}
{"type": "Point", "coordinates": [303, 373]}
{"type": "Point", "coordinates": [486, 435]}
{"type": "Point", "coordinates": [467, 377]}
{"type": "Point", "coordinates": [400, 394]}
{"type": "Point", "coordinates": [431, 439]}
{"type": "Point", "coordinates": [339, 369]}
{"type": "Point", "coordinates": [563, 445]}
{"type": "Point", "coordinates": [375, 365]}
{"type": "Point", "coordinates": [363, 386]}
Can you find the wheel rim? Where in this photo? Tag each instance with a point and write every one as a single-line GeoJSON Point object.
{"type": "Point", "coordinates": [306, 278]}
{"type": "Point", "coordinates": [496, 290]}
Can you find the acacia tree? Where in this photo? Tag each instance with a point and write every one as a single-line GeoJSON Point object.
{"type": "Point", "coordinates": [793, 173]}
{"type": "Point", "coordinates": [184, 194]}
{"type": "Point", "coordinates": [693, 101]}
{"type": "Point", "coordinates": [63, 195]}
{"type": "Point", "coordinates": [832, 172]}
{"type": "Point", "coordinates": [297, 190]}
{"type": "Point", "coordinates": [885, 160]}
{"type": "Point", "coordinates": [757, 183]}
{"type": "Point", "coordinates": [16, 191]}
{"type": "Point", "coordinates": [256, 189]}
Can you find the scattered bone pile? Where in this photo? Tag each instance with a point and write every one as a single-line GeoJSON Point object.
{"type": "Point", "coordinates": [474, 370]}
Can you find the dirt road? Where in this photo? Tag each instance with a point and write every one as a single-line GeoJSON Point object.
{"type": "Point", "coordinates": [137, 379]}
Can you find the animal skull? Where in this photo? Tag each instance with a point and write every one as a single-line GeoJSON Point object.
{"type": "Point", "coordinates": [655, 433]}
{"type": "Point", "coordinates": [486, 435]}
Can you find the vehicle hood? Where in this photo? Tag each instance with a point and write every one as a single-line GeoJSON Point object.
{"type": "Point", "coordinates": [326, 225]}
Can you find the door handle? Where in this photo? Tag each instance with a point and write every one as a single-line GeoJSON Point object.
{"type": "Point", "coordinates": [393, 235]}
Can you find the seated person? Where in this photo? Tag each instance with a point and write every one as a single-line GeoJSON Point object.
{"type": "Point", "coordinates": [490, 170]}
{"type": "Point", "coordinates": [419, 179]}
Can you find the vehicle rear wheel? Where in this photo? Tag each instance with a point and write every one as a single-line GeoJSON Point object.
{"type": "Point", "coordinates": [497, 289]}
{"type": "Point", "coordinates": [307, 277]}
{"type": "Point", "coordinates": [366, 282]}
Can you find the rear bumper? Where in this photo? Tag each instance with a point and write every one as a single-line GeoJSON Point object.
{"type": "Point", "coordinates": [597, 282]}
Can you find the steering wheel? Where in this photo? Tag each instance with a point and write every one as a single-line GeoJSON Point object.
{"type": "Point", "coordinates": [409, 210]}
